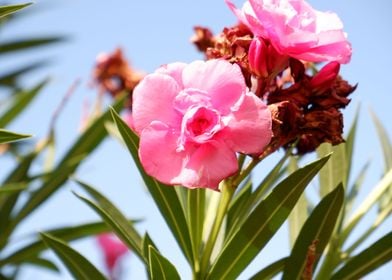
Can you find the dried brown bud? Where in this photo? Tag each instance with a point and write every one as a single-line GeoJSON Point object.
{"type": "Point", "coordinates": [203, 38]}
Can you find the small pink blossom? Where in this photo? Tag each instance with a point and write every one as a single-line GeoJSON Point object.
{"type": "Point", "coordinates": [193, 118]}
{"type": "Point", "coordinates": [113, 249]}
{"type": "Point", "coordinates": [296, 29]}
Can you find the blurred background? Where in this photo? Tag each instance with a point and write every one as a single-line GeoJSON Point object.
{"type": "Point", "coordinates": [153, 33]}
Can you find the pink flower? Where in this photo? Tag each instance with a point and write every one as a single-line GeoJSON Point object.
{"type": "Point", "coordinates": [192, 119]}
{"type": "Point", "coordinates": [113, 249]}
{"type": "Point", "coordinates": [296, 29]}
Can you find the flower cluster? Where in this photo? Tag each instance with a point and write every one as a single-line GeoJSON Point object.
{"type": "Point", "coordinates": [276, 44]}
{"type": "Point", "coordinates": [255, 93]}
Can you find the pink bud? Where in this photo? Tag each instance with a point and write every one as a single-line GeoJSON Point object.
{"type": "Point", "coordinates": [325, 78]}
{"type": "Point", "coordinates": [113, 249]}
{"type": "Point", "coordinates": [264, 60]}
{"type": "Point", "coordinates": [257, 57]}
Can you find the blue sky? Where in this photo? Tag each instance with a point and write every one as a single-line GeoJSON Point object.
{"type": "Point", "coordinates": [153, 33]}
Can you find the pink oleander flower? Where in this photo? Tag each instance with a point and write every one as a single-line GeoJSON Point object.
{"type": "Point", "coordinates": [193, 118]}
{"type": "Point", "coordinates": [113, 249]}
{"type": "Point", "coordinates": [296, 29]}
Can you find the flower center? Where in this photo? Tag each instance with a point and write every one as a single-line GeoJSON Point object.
{"type": "Point", "coordinates": [199, 125]}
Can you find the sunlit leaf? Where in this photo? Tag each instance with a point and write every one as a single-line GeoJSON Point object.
{"type": "Point", "coordinates": [377, 192]}
{"type": "Point", "coordinates": [335, 170]}
{"type": "Point", "coordinates": [160, 268]}
{"type": "Point", "coordinates": [114, 218]}
{"type": "Point", "coordinates": [350, 141]}
{"type": "Point", "coordinates": [271, 270]}
{"type": "Point", "coordinates": [368, 260]}
{"type": "Point", "coordinates": [261, 225]}
{"type": "Point", "coordinates": [9, 9]}
{"type": "Point", "coordinates": [78, 265]}
{"type": "Point", "coordinates": [23, 44]}
{"type": "Point", "coordinates": [196, 216]}
{"type": "Point", "coordinates": [314, 236]}
{"type": "Point", "coordinates": [164, 196]}
{"type": "Point", "coordinates": [13, 187]}
{"type": "Point", "coordinates": [9, 136]}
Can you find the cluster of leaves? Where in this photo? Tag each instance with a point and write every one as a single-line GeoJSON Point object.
{"type": "Point", "coordinates": [218, 237]}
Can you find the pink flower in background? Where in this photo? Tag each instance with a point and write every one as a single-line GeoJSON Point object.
{"type": "Point", "coordinates": [296, 29]}
{"type": "Point", "coordinates": [113, 249]}
{"type": "Point", "coordinates": [193, 118]}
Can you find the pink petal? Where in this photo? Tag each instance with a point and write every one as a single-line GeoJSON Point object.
{"type": "Point", "coordinates": [158, 153]}
{"type": "Point", "coordinates": [222, 80]}
{"type": "Point", "coordinates": [249, 128]}
{"type": "Point", "coordinates": [208, 165]}
{"type": "Point", "coordinates": [153, 100]}
{"type": "Point", "coordinates": [174, 70]}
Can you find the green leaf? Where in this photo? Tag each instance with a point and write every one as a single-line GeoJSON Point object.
{"type": "Point", "coordinates": [335, 171]}
{"type": "Point", "coordinates": [271, 270]}
{"type": "Point", "coordinates": [263, 222]}
{"type": "Point", "coordinates": [10, 9]}
{"type": "Point", "coordinates": [196, 215]}
{"type": "Point", "coordinates": [78, 265]}
{"type": "Point", "coordinates": [316, 232]}
{"type": "Point", "coordinates": [368, 260]}
{"type": "Point", "coordinates": [354, 189]}
{"type": "Point", "coordinates": [9, 136]}
{"type": "Point", "coordinates": [259, 193]}
{"type": "Point", "coordinates": [20, 102]}
{"type": "Point", "coordinates": [385, 142]}
{"type": "Point", "coordinates": [377, 192]}
{"type": "Point", "coordinates": [10, 79]}
{"type": "Point", "coordinates": [164, 196]}
{"type": "Point", "coordinates": [299, 214]}
{"type": "Point", "coordinates": [42, 263]}
{"type": "Point", "coordinates": [34, 248]}
{"type": "Point", "coordinates": [146, 243]}
{"type": "Point", "coordinates": [114, 218]}
{"type": "Point", "coordinates": [160, 268]}
{"type": "Point", "coordinates": [23, 44]}
{"type": "Point", "coordinates": [12, 187]}
{"type": "Point", "coordinates": [349, 144]}
{"type": "Point", "coordinates": [82, 147]}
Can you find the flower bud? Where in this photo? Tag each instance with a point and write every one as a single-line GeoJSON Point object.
{"type": "Point", "coordinates": [326, 77]}
{"type": "Point", "coordinates": [264, 60]}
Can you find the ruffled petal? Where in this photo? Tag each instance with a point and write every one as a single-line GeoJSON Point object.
{"type": "Point", "coordinates": [174, 70]}
{"type": "Point", "coordinates": [158, 153]}
{"type": "Point", "coordinates": [222, 80]}
{"type": "Point", "coordinates": [208, 165]}
{"type": "Point", "coordinates": [249, 129]}
{"type": "Point", "coordinates": [153, 101]}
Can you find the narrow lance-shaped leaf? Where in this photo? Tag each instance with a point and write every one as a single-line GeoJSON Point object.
{"type": "Point", "coordinates": [10, 78]}
{"type": "Point", "coordinates": [262, 223]}
{"type": "Point", "coordinates": [299, 214]}
{"type": "Point", "coordinates": [7, 136]}
{"type": "Point", "coordinates": [10, 9]}
{"type": "Point", "coordinates": [34, 248]}
{"type": "Point", "coordinates": [271, 270]}
{"type": "Point", "coordinates": [349, 144]}
{"type": "Point", "coordinates": [20, 102]}
{"type": "Point", "coordinates": [18, 45]}
{"type": "Point", "coordinates": [382, 187]}
{"type": "Point", "coordinates": [314, 236]}
{"type": "Point", "coordinates": [78, 265]}
{"type": "Point", "coordinates": [114, 218]}
{"type": "Point", "coordinates": [164, 196]}
{"type": "Point", "coordinates": [160, 268]}
{"type": "Point", "coordinates": [42, 263]}
{"type": "Point", "coordinates": [335, 171]}
{"type": "Point", "coordinates": [82, 147]}
{"type": "Point", "coordinates": [368, 260]}
{"type": "Point", "coordinates": [386, 146]}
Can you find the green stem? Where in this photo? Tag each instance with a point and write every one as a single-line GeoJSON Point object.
{"type": "Point", "coordinates": [227, 193]}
